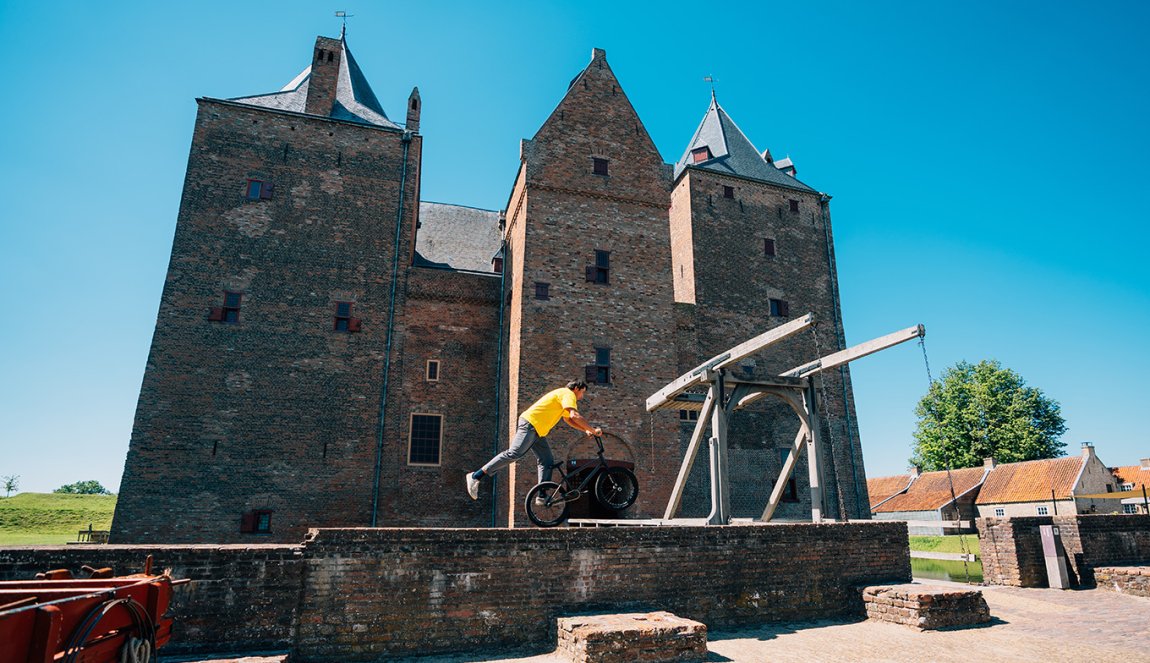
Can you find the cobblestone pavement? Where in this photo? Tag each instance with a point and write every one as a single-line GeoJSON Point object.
{"type": "Point", "coordinates": [1028, 625]}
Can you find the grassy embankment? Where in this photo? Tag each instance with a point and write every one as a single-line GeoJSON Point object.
{"type": "Point", "coordinates": [29, 519]}
{"type": "Point", "coordinates": [945, 544]}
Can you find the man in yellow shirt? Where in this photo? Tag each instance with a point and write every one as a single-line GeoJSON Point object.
{"type": "Point", "coordinates": [531, 433]}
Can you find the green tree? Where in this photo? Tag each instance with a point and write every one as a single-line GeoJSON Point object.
{"type": "Point", "coordinates": [11, 482]}
{"type": "Point", "coordinates": [983, 410]}
{"type": "Point", "coordinates": [92, 487]}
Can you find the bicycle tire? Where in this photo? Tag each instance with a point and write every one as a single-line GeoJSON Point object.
{"type": "Point", "coordinates": [545, 516]}
{"type": "Point", "coordinates": [616, 488]}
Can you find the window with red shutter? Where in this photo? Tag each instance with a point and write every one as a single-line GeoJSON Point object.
{"type": "Point", "coordinates": [780, 308]}
{"type": "Point", "coordinates": [342, 317]}
{"type": "Point", "coordinates": [600, 272]}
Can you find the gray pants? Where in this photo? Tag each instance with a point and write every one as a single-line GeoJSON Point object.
{"type": "Point", "coordinates": [526, 437]}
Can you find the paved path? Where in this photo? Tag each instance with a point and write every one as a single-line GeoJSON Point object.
{"type": "Point", "coordinates": [1028, 625]}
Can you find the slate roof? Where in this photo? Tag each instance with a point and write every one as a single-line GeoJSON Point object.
{"type": "Point", "coordinates": [1031, 481]}
{"type": "Point", "coordinates": [456, 237]}
{"type": "Point", "coordinates": [932, 490]}
{"type": "Point", "coordinates": [731, 152]}
{"type": "Point", "coordinates": [1135, 474]}
{"type": "Point", "coordinates": [882, 488]}
{"type": "Point", "coordinates": [354, 99]}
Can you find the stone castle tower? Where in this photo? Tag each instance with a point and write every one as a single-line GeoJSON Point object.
{"type": "Point", "coordinates": [332, 351]}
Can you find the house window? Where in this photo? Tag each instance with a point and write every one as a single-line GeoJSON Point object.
{"type": "Point", "coordinates": [1130, 508]}
{"type": "Point", "coordinates": [780, 308]}
{"type": "Point", "coordinates": [600, 371]}
{"type": "Point", "coordinates": [229, 313]}
{"type": "Point", "coordinates": [600, 272]}
{"type": "Point", "coordinates": [1127, 487]}
{"type": "Point", "coordinates": [256, 522]}
{"type": "Point", "coordinates": [542, 290]}
{"type": "Point", "coordinates": [700, 154]}
{"type": "Point", "coordinates": [497, 265]}
{"type": "Point", "coordinates": [433, 370]}
{"type": "Point", "coordinates": [768, 247]}
{"type": "Point", "coordinates": [998, 513]}
{"type": "Point", "coordinates": [258, 190]}
{"type": "Point", "coordinates": [343, 320]}
{"type": "Point", "coordinates": [688, 415]}
{"type": "Point", "coordinates": [728, 192]}
{"type": "Point", "coordinates": [599, 166]}
{"type": "Point", "coordinates": [1043, 511]}
{"type": "Point", "coordinates": [794, 206]}
{"type": "Point", "coordinates": [791, 492]}
{"type": "Point", "coordinates": [426, 436]}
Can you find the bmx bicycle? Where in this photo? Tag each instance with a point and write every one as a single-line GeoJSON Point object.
{"type": "Point", "coordinates": [615, 487]}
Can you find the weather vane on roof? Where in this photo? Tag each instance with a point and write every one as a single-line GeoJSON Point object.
{"type": "Point", "coordinates": [712, 80]}
{"type": "Point", "coordinates": [344, 15]}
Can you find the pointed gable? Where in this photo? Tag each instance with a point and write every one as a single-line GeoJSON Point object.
{"type": "Point", "coordinates": [354, 99]}
{"type": "Point", "coordinates": [594, 142]}
{"type": "Point", "coordinates": [1031, 481]}
{"type": "Point", "coordinates": [720, 146]}
{"type": "Point", "coordinates": [934, 490]}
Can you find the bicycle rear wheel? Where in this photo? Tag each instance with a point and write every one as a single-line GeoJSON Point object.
{"type": "Point", "coordinates": [543, 512]}
{"type": "Point", "coordinates": [616, 488]}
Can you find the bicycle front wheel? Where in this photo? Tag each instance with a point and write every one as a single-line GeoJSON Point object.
{"type": "Point", "coordinates": [541, 510]}
{"type": "Point", "coordinates": [616, 488]}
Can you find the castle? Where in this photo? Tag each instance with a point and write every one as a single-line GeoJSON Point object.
{"type": "Point", "coordinates": [332, 351]}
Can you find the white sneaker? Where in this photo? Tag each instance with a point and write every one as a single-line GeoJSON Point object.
{"type": "Point", "coordinates": [540, 500]}
{"type": "Point", "coordinates": [472, 486]}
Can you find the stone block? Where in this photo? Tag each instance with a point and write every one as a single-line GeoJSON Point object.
{"type": "Point", "coordinates": [925, 607]}
{"type": "Point", "coordinates": [624, 638]}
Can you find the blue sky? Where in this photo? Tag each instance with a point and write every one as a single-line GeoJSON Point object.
{"type": "Point", "coordinates": [987, 162]}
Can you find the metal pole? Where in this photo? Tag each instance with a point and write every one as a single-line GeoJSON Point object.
{"type": "Point", "coordinates": [1145, 502]}
{"type": "Point", "coordinates": [1053, 501]}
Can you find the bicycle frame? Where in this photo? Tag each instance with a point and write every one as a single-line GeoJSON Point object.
{"type": "Point", "coordinates": [564, 491]}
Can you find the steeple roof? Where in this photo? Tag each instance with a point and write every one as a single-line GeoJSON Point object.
{"type": "Point", "coordinates": [730, 152]}
{"type": "Point", "coordinates": [354, 100]}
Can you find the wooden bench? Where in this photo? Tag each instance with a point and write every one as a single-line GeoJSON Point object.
{"type": "Point", "coordinates": [925, 607]}
{"type": "Point", "coordinates": [626, 638]}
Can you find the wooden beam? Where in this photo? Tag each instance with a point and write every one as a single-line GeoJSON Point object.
{"type": "Point", "coordinates": [856, 352]}
{"type": "Point", "coordinates": [702, 372]}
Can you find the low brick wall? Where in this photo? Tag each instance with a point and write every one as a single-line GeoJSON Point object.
{"type": "Point", "coordinates": [925, 607]}
{"type": "Point", "coordinates": [370, 593]}
{"type": "Point", "coordinates": [242, 598]}
{"type": "Point", "coordinates": [1012, 547]}
{"type": "Point", "coordinates": [1134, 580]}
{"type": "Point", "coordinates": [653, 637]}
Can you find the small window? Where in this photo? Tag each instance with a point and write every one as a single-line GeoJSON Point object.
{"type": "Point", "coordinates": [768, 247]}
{"type": "Point", "coordinates": [791, 492]}
{"type": "Point", "coordinates": [780, 308]}
{"type": "Point", "coordinates": [342, 316]}
{"type": "Point", "coordinates": [426, 436]}
{"type": "Point", "coordinates": [330, 55]}
{"type": "Point", "coordinates": [229, 313]}
{"type": "Point", "coordinates": [599, 166]}
{"type": "Point", "coordinates": [794, 206]}
{"type": "Point", "coordinates": [497, 265]}
{"type": "Point", "coordinates": [600, 371]}
{"type": "Point", "coordinates": [542, 290]}
{"type": "Point", "coordinates": [433, 370]}
{"type": "Point", "coordinates": [1129, 508]}
{"type": "Point", "coordinates": [728, 191]}
{"type": "Point", "coordinates": [1042, 511]}
{"type": "Point", "coordinates": [256, 522]}
{"type": "Point", "coordinates": [1127, 487]}
{"type": "Point", "coordinates": [263, 521]}
{"type": "Point", "coordinates": [700, 154]}
{"type": "Point", "coordinates": [258, 190]}
{"type": "Point", "coordinates": [600, 272]}
{"type": "Point", "coordinates": [688, 415]}
{"type": "Point", "coordinates": [998, 513]}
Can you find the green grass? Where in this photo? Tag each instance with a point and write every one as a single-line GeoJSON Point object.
{"type": "Point", "coordinates": [945, 544]}
{"type": "Point", "coordinates": [30, 519]}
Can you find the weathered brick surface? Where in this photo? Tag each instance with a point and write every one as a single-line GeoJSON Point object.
{"type": "Point", "coordinates": [1133, 580]}
{"type": "Point", "coordinates": [925, 607]}
{"type": "Point", "coordinates": [653, 637]}
{"type": "Point", "coordinates": [373, 593]}
{"type": "Point", "coordinates": [241, 598]}
{"type": "Point", "coordinates": [1012, 547]}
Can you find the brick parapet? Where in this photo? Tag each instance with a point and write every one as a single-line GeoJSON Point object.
{"type": "Point", "coordinates": [1132, 580]}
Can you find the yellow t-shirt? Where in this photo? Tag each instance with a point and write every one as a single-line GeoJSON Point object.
{"type": "Point", "coordinates": [547, 411]}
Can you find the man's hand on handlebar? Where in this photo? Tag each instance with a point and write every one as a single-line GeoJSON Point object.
{"type": "Point", "coordinates": [594, 432]}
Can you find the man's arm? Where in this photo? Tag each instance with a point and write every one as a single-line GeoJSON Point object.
{"type": "Point", "coordinates": [576, 421]}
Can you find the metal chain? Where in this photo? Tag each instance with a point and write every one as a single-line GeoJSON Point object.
{"type": "Point", "coordinates": [830, 427]}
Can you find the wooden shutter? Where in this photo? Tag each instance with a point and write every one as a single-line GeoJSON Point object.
{"type": "Point", "coordinates": [591, 374]}
{"type": "Point", "coordinates": [591, 273]}
{"type": "Point", "coordinates": [354, 325]}
{"type": "Point", "coordinates": [266, 191]}
{"type": "Point", "coordinates": [784, 308]}
{"type": "Point", "coordinates": [248, 522]}
{"type": "Point", "coordinates": [215, 314]}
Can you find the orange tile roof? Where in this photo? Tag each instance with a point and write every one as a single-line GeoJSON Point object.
{"type": "Point", "coordinates": [881, 488]}
{"type": "Point", "coordinates": [932, 490]}
{"type": "Point", "coordinates": [1135, 474]}
{"type": "Point", "coordinates": [1031, 481]}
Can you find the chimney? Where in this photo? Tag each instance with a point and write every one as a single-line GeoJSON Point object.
{"type": "Point", "coordinates": [989, 463]}
{"type": "Point", "coordinates": [414, 107]}
{"type": "Point", "coordinates": [915, 470]}
{"type": "Point", "coordinates": [1087, 449]}
{"type": "Point", "coordinates": [321, 86]}
{"type": "Point", "coordinates": [1146, 463]}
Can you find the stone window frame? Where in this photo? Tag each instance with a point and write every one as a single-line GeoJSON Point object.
{"type": "Point", "coordinates": [411, 441]}
{"type": "Point", "coordinates": [1042, 510]}
{"type": "Point", "coordinates": [431, 371]}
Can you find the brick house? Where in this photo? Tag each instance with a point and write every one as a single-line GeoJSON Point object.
{"type": "Point", "coordinates": [932, 496]}
{"type": "Point", "coordinates": [1135, 480]}
{"type": "Point", "coordinates": [1048, 487]}
{"type": "Point", "coordinates": [331, 350]}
